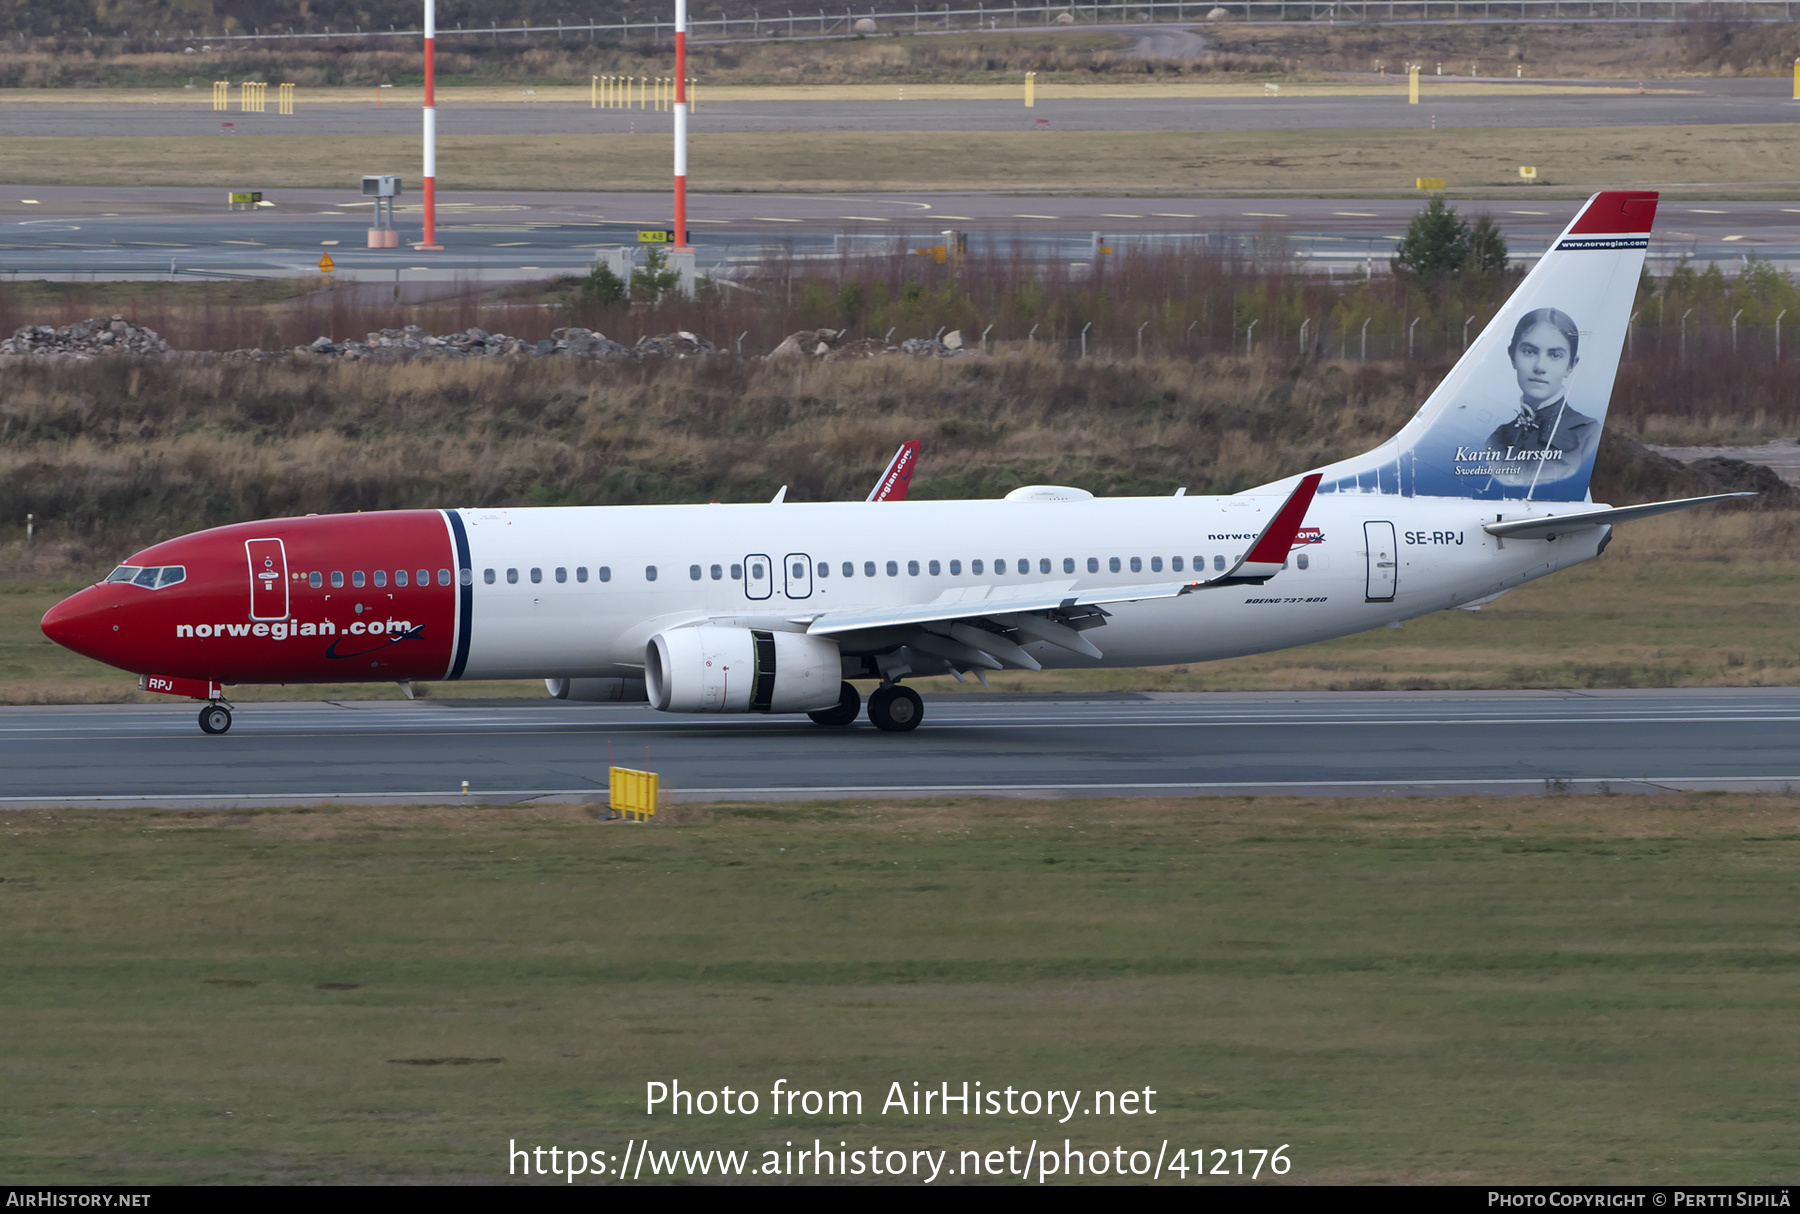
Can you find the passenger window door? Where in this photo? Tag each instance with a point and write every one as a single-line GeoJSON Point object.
{"type": "Point", "coordinates": [796, 574]}
{"type": "Point", "coordinates": [268, 579]}
{"type": "Point", "coordinates": [759, 576]}
{"type": "Point", "coordinates": [1384, 561]}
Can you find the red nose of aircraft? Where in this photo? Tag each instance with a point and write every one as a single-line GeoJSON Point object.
{"type": "Point", "coordinates": [94, 623]}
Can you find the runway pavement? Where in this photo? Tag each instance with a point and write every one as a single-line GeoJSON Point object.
{"type": "Point", "coordinates": [1298, 106]}
{"type": "Point", "coordinates": [164, 232]}
{"type": "Point", "coordinates": [1132, 745]}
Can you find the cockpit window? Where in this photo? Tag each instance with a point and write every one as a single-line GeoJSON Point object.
{"type": "Point", "coordinates": [150, 577]}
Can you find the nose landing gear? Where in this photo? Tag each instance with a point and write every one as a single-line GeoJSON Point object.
{"type": "Point", "coordinates": [215, 718]}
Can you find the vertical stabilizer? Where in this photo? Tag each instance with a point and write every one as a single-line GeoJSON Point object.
{"type": "Point", "coordinates": [1520, 414]}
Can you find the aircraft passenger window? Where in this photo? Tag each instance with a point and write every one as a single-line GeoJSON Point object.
{"type": "Point", "coordinates": [381, 577]}
{"type": "Point", "coordinates": [512, 577]}
{"type": "Point", "coordinates": [1000, 565]}
{"type": "Point", "coordinates": [693, 573]}
{"type": "Point", "coordinates": [171, 574]}
{"type": "Point", "coordinates": [487, 575]}
{"type": "Point", "coordinates": [868, 568]}
{"type": "Point", "coordinates": [1219, 563]}
{"type": "Point", "coordinates": [581, 573]}
{"type": "Point", "coordinates": [1156, 564]}
{"type": "Point", "coordinates": [1175, 563]}
{"type": "Point", "coordinates": [1068, 564]}
{"type": "Point", "coordinates": [562, 574]}
{"type": "Point", "coordinates": [849, 569]}
{"type": "Point", "coordinates": [737, 573]}
{"type": "Point", "coordinates": [975, 567]}
{"type": "Point", "coordinates": [605, 572]}
{"type": "Point", "coordinates": [315, 579]}
{"type": "Point", "coordinates": [1093, 564]}
{"type": "Point", "coordinates": [1137, 564]}
{"type": "Point", "coordinates": [337, 579]}
{"type": "Point", "coordinates": [824, 568]}
{"type": "Point", "coordinates": [717, 573]}
{"type": "Point", "coordinates": [935, 568]}
{"type": "Point", "coordinates": [1301, 560]}
{"type": "Point", "coordinates": [399, 577]}
{"type": "Point", "coordinates": [356, 579]}
{"type": "Point", "coordinates": [893, 568]}
{"type": "Point", "coordinates": [1043, 564]}
{"type": "Point", "coordinates": [956, 568]}
{"type": "Point", "coordinates": [425, 577]}
{"type": "Point", "coordinates": [912, 568]}
{"type": "Point", "coordinates": [537, 575]}
{"type": "Point", "coordinates": [1024, 564]}
{"type": "Point", "coordinates": [464, 577]}
{"type": "Point", "coordinates": [650, 573]}
{"type": "Point", "coordinates": [1112, 563]}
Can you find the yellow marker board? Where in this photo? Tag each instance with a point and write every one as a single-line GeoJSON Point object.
{"type": "Point", "coordinates": [326, 265]}
{"type": "Point", "coordinates": [655, 237]}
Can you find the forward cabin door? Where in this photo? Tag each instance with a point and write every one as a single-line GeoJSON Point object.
{"type": "Point", "coordinates": [268, 579]}
{"type": "Point", "coordinates": [1384, 561]}
{"type": "Point", "coordinates": [796, 573]}
{"type": "Point", "coordinates": [759, 576]}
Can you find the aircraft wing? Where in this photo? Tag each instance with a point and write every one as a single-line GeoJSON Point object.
{"type": "Point", "coordinates": [1561, 524]}
{"type": "Point", "coordinates": [986, 626]}
{"type": "Point", "coordinates": [896, 479]}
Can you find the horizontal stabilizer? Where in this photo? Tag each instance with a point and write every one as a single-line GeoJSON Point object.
{"type": "Point", "coordinates": [1562, 524]}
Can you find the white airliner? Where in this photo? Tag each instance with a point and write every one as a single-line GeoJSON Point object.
{"type": "Point", "coordinates": [781, 607]}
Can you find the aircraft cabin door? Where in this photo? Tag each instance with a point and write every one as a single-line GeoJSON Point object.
{"type": "Point", "coordinates": [759, 576]}
{"type": "Point", "coordinates": [1384, 561]}
{"type": "Point", "coordinates": [268, 579]}
{"type": "Point", "coordinates": [796, 572]}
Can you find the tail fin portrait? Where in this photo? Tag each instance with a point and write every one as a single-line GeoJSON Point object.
{"type": "Point", "coordinates": [1519, 416]}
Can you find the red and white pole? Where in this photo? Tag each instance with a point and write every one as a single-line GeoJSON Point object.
{"type": "Point", "coordinates": [681, 117]}
{"type": "Point", "coordinates": [429, 240]}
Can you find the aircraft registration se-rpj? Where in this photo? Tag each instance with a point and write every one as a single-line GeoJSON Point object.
{"type": "Point", "coordinates": [780, 607]}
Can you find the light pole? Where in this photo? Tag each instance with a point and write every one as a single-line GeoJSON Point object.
{"type": "Point", "coordinates": [428, 239]}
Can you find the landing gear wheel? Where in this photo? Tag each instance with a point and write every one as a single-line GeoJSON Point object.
{"type": "Point", "coordinates": [215, 718]}
{"type": "Point", "coordinates": [895, 709]}
{"type": "Point", "coordinates": [848, 706]}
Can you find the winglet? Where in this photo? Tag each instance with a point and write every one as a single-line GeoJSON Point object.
{"type": "Point", "coordinates": [1269, 553]}
{"type": "Point", "coordinates": [896, 479]}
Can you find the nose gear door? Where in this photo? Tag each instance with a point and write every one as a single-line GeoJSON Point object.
{"type": "Point", "coordinates": [796, 572]}
{"type": "Point", "coordinates": [1384, 561]}
{"type": "Point", "coordinates": [268, 579]}
{"type": "Point", "coordinates": [759, 577]}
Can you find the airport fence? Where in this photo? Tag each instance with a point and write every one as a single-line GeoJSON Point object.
{"type": "Point", "coordinates": [921, 19]}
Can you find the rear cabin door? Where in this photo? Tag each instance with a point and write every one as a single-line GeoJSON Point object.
{"type": "Point", "coordinates": [1384, 561]}
{"type": "Point", "coordinates": [796, 572]}
{"type": "Point", "coordinates": [759, 576]}
{"type": "Point", "coordinates": [268, 579]}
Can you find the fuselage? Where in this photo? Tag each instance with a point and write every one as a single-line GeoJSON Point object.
{"type": "Point", "coordinates": [578, 592]}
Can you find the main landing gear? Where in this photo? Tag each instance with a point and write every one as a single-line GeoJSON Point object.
{"type": "Point", "coordinates": [895, 708]}
{"type": "Point", "coordinates": [848, 705]}
{"type": "Point", "coordinates": [215, 718]}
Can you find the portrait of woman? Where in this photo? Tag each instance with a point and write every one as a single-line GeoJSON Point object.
{"type": "Point", "coordinates": [1547, 438]}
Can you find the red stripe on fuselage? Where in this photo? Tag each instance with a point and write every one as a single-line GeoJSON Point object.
{"type": "Point", "coordinates": [202, 628]}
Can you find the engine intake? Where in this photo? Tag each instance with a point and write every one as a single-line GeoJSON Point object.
{"type": "Point", "coordinates": [717, 669]}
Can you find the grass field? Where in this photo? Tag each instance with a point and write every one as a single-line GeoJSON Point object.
{"type": "Point", "coordinates": [1591, 989]}
{"type": "Point", "coordinates": [1717, 161]}
{"type": "Point", "coordinates": [1672, 603]}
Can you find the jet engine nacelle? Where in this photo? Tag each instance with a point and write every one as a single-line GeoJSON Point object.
{"type": "Point", "coordinates": [712, 668]}
{"type": "Point", "coordinates": [599, 691]}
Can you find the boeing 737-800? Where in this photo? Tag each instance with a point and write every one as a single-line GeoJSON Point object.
{"type": "Point", "coordinates": [780, 607]}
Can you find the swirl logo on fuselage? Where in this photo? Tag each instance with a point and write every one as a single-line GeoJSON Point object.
{"type": "Point", "coordinates": [392, 638]}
